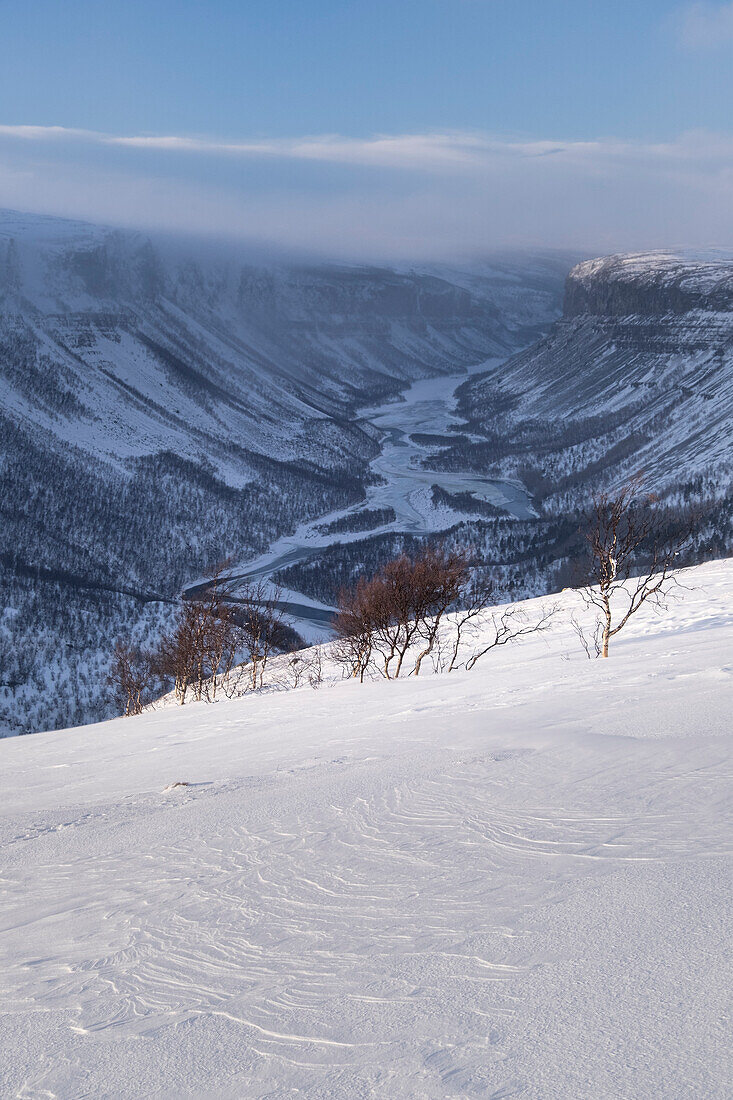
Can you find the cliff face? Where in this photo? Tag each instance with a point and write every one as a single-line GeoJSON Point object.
{"type": "Point", "coordinates": [637, 375]}
{"type": "Point", "coordinates": [650, 284]}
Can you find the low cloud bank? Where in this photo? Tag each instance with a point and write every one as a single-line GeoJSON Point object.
{"type": "Point", "coordinates": [386, 196]}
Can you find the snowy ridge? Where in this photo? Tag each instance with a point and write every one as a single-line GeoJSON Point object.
{"type": "Point", "coordinates": [509, 882]}
{"type": "Point", "coordinates": [662, 279]}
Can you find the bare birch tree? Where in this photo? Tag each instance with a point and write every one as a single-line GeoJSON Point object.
{"type": "Point", "coordinates": [199, 653]}
{"type": "Point", "coordinates": [258, 612]}
{"type": "Point", "coordinates": [395, 621]}
{"type": "Point", "coordinates": [633, 552]}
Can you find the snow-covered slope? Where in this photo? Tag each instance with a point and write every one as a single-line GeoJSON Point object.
{"type": "Point", "coordinates": [508, 882]}
{"type": "Point", "coordinates": [637, 375]}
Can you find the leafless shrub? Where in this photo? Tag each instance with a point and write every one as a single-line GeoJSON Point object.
{"type": "Point", "coordinates": [590, 641]}
{"type": "Point", "coordinates": [131, 677]}
{"type": "Point", "coordinates": [315, 668]}
{"type": "Point", "coordinates": [381, 620]}
{"type": "Point", "coordinates": [295, 670]}
{"type": "Point", "coordinates": [200, 651]}
{"type": "Point", "coordinates": [223, 639]}
{"type": "Point", "coordinates": [396, 620]}
{"type": "Point", "coordinates": [467, 623]}
{"type": "Point", "coordinates": [511, 625]}
{"type": "Point", "coordinates": [477, 628]}
{"type": "Point", "coordinates": [260, 619]}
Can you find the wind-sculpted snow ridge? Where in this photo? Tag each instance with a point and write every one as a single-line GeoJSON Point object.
{"type": "Point", "coordinates": [508, 882]}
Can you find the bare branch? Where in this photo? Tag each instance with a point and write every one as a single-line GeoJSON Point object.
{"type": "Point", "coordinates": [509, 626]}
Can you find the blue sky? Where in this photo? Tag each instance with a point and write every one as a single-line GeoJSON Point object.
{"type": "Point", "coordinates": [367, 127]}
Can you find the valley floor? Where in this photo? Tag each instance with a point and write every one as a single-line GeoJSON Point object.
{"type": "Point", "coordinates": [508, 882]}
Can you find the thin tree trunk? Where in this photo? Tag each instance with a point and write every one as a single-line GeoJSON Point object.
{"type": "Point", "coordinates": [606, 628]}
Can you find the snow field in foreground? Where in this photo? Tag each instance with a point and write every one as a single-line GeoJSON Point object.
{"type": "Point", "coordinates": [508, 882]}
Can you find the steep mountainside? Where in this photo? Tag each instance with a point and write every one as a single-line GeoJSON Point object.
{"type": "Point", "coordinates": [125, 349]}
{"type": "Point", "coordinates": [638, 375]}
{"type": "Point", "coordinates": [163, 405]}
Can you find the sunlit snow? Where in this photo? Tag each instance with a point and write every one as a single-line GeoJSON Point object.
{"type": "Point", "coordinates": [508, 882]}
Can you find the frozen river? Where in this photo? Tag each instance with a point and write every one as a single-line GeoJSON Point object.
{"type": "Point", "coordinates": [427, 407]}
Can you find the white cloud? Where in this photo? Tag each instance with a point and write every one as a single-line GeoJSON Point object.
{"type": "Point", "coordinates": [422, 151]}
{"type": "Point", "coordinates": [706, 26]}
{"type": "Point", "coordinates": [46, 133]}
{"type": "Point", "coordinates": [407, 195]}
{"type": "Point", "coordinates": [456, 151]}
